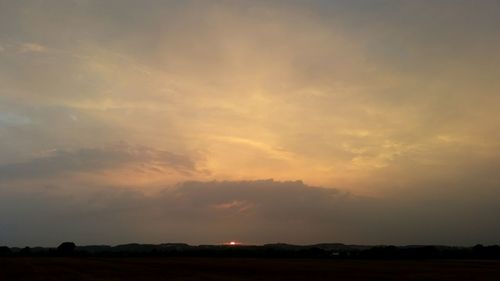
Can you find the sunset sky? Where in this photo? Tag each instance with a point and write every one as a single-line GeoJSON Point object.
{"type": "Point", "coordinates": [362, 121]}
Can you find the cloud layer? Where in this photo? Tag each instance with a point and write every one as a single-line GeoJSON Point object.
{"type": "Point", "coordinates": [397, 100]}
{"type": "Point", "coordinates": [254, 212]}
{"type": "Point", "coordinates": [95, 160]}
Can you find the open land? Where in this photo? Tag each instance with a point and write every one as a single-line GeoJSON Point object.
{"type": "Point", "coordinates": [189, 268]}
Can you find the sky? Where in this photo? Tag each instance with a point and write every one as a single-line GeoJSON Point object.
{"type": "Point", "coordinates": [365, 121]}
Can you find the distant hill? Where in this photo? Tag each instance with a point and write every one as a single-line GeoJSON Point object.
{"type": "Point", "coordinates": [277, 250]}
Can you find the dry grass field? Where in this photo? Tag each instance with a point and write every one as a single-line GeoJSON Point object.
{"type": "Point", "coordinates": [110, 269]}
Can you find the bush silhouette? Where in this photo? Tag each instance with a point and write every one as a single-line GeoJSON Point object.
{"type": "Point", "coordinates": [66, 248]}
{"type": "Point", "coordinates": [5, 251]}
{"type": "Point", "coordinates": [26, 251]}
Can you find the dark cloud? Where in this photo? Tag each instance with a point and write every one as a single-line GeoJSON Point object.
{"type": "Point", "coordinates": [58, 162]}
{"type": "Point", "coordinates": [260, 211]}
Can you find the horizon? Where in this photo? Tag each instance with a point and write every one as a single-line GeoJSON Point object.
{"type": "Point", "coordinates": [367, 122]}
{"type": "Point", "coordinates": [242, 244]}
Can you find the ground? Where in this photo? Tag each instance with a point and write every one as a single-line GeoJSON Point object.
{"type": "Point", "coordinates": [207, 269]}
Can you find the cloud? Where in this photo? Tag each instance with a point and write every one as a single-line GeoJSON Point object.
{"type": "Point", "coordinates": [330, 91]}
{"type": "Point", "coordinates": [258, 211]}
{"type": "Point", "coordinates": [92, 160]}
{"type": "Point", "coordinates": [392, 98]}
{"type": "Point", "coordinates": [197, 212]}
{"type": "Point", "coordinates": [13, 119]}
{"type": "Point", "coordinates": [32, 48]}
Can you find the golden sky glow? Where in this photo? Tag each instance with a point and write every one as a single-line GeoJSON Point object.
{"type": "Point", "coordinates": [377, 98]}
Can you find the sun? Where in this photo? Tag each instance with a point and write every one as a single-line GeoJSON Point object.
{"type": "Point", "coordinates": [232, 243]}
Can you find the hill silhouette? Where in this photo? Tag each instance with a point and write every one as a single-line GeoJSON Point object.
{"type": "Point", "coordinates": [278, 250]}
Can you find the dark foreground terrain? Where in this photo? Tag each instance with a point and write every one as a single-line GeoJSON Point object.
{"type": "Point", "coordinates": [190, 268]}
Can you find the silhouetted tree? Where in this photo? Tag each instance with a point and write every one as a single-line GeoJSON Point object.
{"type": "Point", "coordinates": [5, 251]}
{"type": "Point", "coordinates": [486, 252]}
{"type": "Point", "coordinates": [26, 251]}
{"type": "Point", "coordinates": [66, 248]}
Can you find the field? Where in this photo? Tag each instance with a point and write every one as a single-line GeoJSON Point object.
{"type": "Point", "coordinates": [109, 269]}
